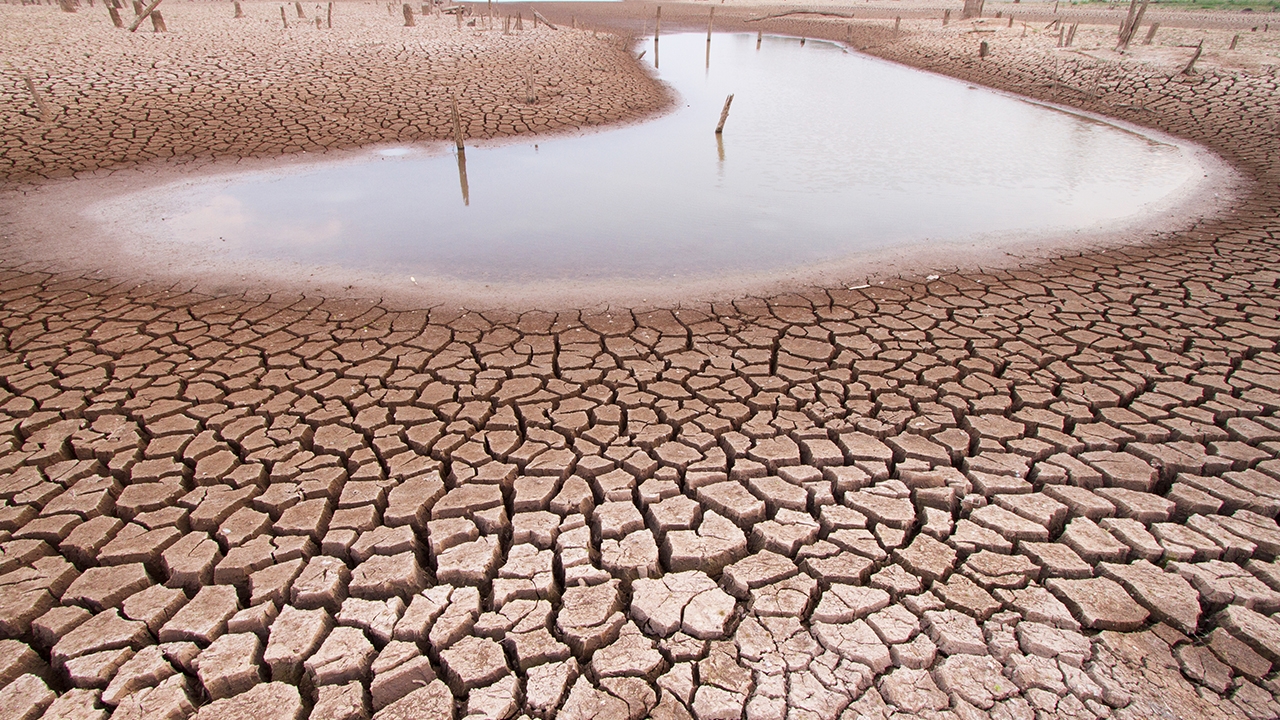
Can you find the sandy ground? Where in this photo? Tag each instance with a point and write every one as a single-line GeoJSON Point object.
{"type": "Point", "coordinates": [1029, 492]}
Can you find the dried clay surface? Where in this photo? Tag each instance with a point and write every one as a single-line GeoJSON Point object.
{"type": "Point", "coordinates": [1040, 492]}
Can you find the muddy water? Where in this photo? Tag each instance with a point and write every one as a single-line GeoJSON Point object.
{"type": "Point", "coordinates": [826, 154]}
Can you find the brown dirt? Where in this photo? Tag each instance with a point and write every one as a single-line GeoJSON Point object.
{"type": "Point", "coordinates": [153, 436]}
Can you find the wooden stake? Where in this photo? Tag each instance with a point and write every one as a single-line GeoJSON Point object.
{"type": "Point", "coordinates": [1234, 40]}
{"type": "Point", "coordinates": [408, 15]}
{"type": "Point", "coordinates": [1010, 21]}
{"type": "Point", "coordinates": [1128, 20]}
{"type": "Point", "coordinates": [157, 22]}
{"type": "Point", "coordinates": [711, 21]}
{"type": "Point", "coordinates": [724, 114]}
{"type": "Point", "coordinates": [137, 8]}
{"type": "Point", "coordinates": [1062, 29]}
{"type": "Point", "coordinates": [897, 24]}
{"type": "Point", "coordinates": [759, 38]}
{"type": "Point", "coordinates": [1137, 22]}
{"type": "Point", "coordinates": [984, 49]}
{"type": "Point", "coordinates": [239, 10]}
{"type": "Point", "coordinates": [1130, 28]}
{"type": "Point", "coordinates": [1190, 69]}
{"type": "Point", "coordinates": [539, 16]}
{"type": "Point", "coordinates": [328, 21]}
{"type": "Point", "coordinates": [457, 124]}
{"type": "Point", "coordinates": [298, 4]}
{"type": "Point", "coordinates": [147, 11]}
{"type": "Point", "coordinates": [284, 18]}
{"type": "Point", "coordinates": [529, 96]}
{"type": "Point", "coordinates": [115, 16]}
{"type": "Point", "coordinates": [1151, 34]}
{"type": "Point", "coordinates": [657, 26]}
{"type": "Point", "coordinates": [519, 22]}
{"type": "Point", "coordinates": [946, 17]}
{"type": "Point", "coordinates": [39, 101]}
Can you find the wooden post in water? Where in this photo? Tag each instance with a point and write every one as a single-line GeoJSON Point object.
{"type": "Point", "coordinates": [115, 16]}
{"type": "Point", "coordinates": [457, 124]}
{"type": "Point", "coordinates": [1190, 69]}
{"type": "Point", "coordinates": [462, 177]}
{"type": "Point", "coordinates": [724, 114]}
{"type": "Point", "coordinates": [408, 15]}
{"type": "Point", "coordinates": [657, 25]}
{"type": "Point", "coordinates": [710, 21]}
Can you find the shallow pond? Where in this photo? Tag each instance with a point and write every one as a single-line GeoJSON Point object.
{"type": "Point", "coordinates": [826, 154]}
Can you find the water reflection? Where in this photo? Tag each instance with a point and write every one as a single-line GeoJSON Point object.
{"type": "Point", "coordinates": [834, 154]}
{"type": "Point", "coordinates": [462, 176]}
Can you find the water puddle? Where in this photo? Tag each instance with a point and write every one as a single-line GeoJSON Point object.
{"type": "Point", "coordinates": [826, 155]}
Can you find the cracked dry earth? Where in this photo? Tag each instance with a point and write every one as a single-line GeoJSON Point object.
{"type": "Point", "coordinates": [1036, 493]}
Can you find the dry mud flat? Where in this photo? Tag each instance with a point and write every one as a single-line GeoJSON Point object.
{"type": "Point", "coordinates": [1035, 493]}
{"type": "Point", "coordinates": [218, 87]}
